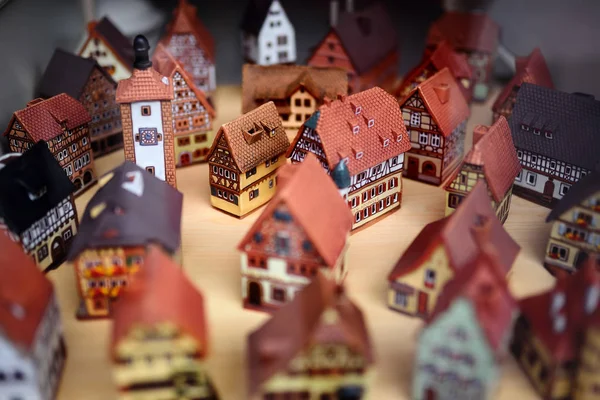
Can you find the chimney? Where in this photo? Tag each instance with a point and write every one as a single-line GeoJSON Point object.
{"type": "Point", "coordinates": [34, 102]}
{"type": "Point", "coordinates": [478, 132]}
{"type": "Point", "coordinates": [341, 97]}
{"type": "Point", "coordinates": [334, 13]}
{"type": "Point", "coordinates": [141, 48]}
{"type": "Point", "coordinates": [443, 92]}
{"type": "Point", "coordinates": [349, 6]}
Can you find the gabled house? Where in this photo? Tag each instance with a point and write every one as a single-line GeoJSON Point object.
{"type": "Point", "coordinates": [362, 135]}
{"type": "Point", "coordinates": [364, 43]}
{"type": "Point", "coordinates": [268, 36]}
{"type": "Point", "coordinates": [303, 230]}
{"type": "Point", "coordinates": [31, 335]}
{"type": "Point", "coordinates": [575, 222]}
{"type": "Point", "coordinates": [531, 69]}
{"type": "Point", "coordinates": [243, 160]}
{"type": "Point", "coordinates": [85, 80]}
{"type": "Point", "coordinates": [191, 44]}
{"type": "Point", "coordinates": [325, 354]}
{"type": "Point", "coordinates": [63, 123]}
{"type": "Point", "coordinates": [159, 336]}
{"type": "Point", "coordinates": [37, 209]}
{"type": "Point", "coordinates": [461, 349]}
{"type": "Point", "coordinates": [556, 136]}
{"type": "Point", "coordinates": [296, 90]}
{"type": "Point", "coordinates": [474, 34]}
{"type": "Point", "coordinates": [493, 160]}
{"type": "Point", "coordinates": [435, 114]}
{"type": "Point", "coordinates": [193, 115]}
{"type": "Point", "coordinates": [442, 249]}
{"type": "Point", "coordinates": [106, 44]}
{"type": "Point", "coordinates": [443, 56]}
{"type": "Point", "coordinates": [131, 210]}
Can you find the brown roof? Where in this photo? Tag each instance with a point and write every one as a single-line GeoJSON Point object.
{"type": "Point", "coordinates": [144, 84]}
{"type": "Point", "coordinates": [279, 82]}
{"type": "Point", "coordinates": [455, 234]}
{"type": "Point", "coordinates": [43, 119]}
{"type": "Point", "coordinates": [160, 293]}
{"type": "Point", "coordinates": [465, 31]}
{"type": "Point", "coordinates": [24, 295]}
{"type": "Point", "coordinates": [315, 205]}
{"type": "Point", "coordinates": [530, 69]}
{"type": "Point", "coordinates": [444, 100]}
{"type": "Point", "coordinates": [300, 324]}
{"type": "Point", "coordinates": [334, 124]}
{"type": "Point", "coordinates": [247, 151]}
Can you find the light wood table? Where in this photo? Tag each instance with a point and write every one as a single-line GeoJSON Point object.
{"type": "Point", "coordinates": [211, 261]}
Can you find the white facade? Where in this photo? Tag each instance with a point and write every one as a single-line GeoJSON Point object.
{"type": "Point", "coordinates": [277, 38]}
{"type": "Point", "coordinates": [149, 151]}
{"type": "Point", "coordinates": [100, 52]}
{"type": "Point", "coordinates": [14, 362]}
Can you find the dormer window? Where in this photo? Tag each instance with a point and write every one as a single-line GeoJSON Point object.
{"type": "Point", "coordinates": [386, 142]}
{"type": "Point", "coordinates": [537, 132]}
{"type": "Point", "coordinates": [355, 129]}
{"type": "Point", "coordinates": [548, 135]}
{"type": "Point", "coordinates": [253, 133]}
{"type": "Point", "coordinates": [430, 278]}
{"type": "Point", "coordinates": [371, 123]}
{"type": "Point", "coordinates": [357, 110]}
{"type": "Point", "coordinates": [399, 137]}
{"type": "Point", "coordinates": [359, 154]}
{"type": "Point", "coordinates": [525, 127]}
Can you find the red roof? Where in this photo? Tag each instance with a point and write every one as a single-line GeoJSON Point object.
{"type": "Point", "coordinates": [465, 31]}
{"type": "Point", "coordinates": [160, 293]}
{"type": "Point", "coordinates": [316, 206]}
{"type": "Point", "coordinates": [44, 119]}
{"type": "Point", "coordinates": [24, 295]}
{"type": "Point", "coordinates": [144, 85]}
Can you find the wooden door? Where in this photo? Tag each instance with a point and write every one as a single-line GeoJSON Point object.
{"type": "Point", "coordinates": [422, 303]}
{"type": "Point", "coordinates": [430, 394]}
{"type": "Point", "coordinates": [184, 159]}
{"type": "Point", "coordinates": [412, 169]}
{"type": "Point", "coordinates": [549, 188]}
{"type": "Point", "coordinates": [57, 249]}
{"type": "Point", "coordinates": [254, 294]}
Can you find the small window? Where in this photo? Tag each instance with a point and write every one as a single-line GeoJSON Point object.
{"type": "Point", "coordinates": [298, 102]}
{"type": "Point", "coordinates": [150, 169]}
{"type": "Point", "coordinates": [366, 212]}
{"type": "Point", "coordinates": [537, 132]}
{"type": "Point", "coordinates": [358, 110]}
{"type": "Point", "coordinates": [386, 142]}
{"type": "Point", "coordinates": [525, 127]}
{"type": "Point", "coordinates": [201, 138]}
{"type": "Point", "coordinates": [271, 183]}
{"type": "Point", "coordinates": [435, 140]}
{"type": "Point", "coordinates": [401, 299]}
{"type": "Point", "coordinates": [356, 129]}
{"type": "Point", "coordinates": [359, 155]}
{"type": "Point", "coordinates": [430, 278]}
{"type": "Point", "coordinates": [307, 103]}
{"type": "Point", "coordinates": [371, 123]}
{"type": "Point", "coordinates": [380, 188]}
{"type": "Point", "coordinates": [568, 170]}
{"type": "Point", "coordinates": [534, 159]}
{"type": "Point", "coordinates": [278, 294]}
{"type": "Point", "coordinates": [298, 117]}
{"type": "Point", "coordinates": [531, 178]}
{"type": "Point", "coordinates": [552, 164]}
{"type": "Point", "coordinates": [357, 217]}
{"type": "Point", "coordinates": [353, 202]}
{"type": "Point", "coordinates": [365, 196]}
{"type": "Point", "coordinates": [564, 189]}
{"type": "Point", "coordinates": [258, 237]}
{"type": "Point", "coordinates": [146, 111]}
{"type": "Point", "coordinates": [548, 135]}
{"type": "Point", "coordinates": [519, 176]}
{"type": "Point", "coordinates": [423, 138]}
{"type": "Point", "coordinates": [415, 119]}
{"type": "Point", "coordinates": [330, 59]}
{"type": "Point", "coordinates": [282, 243]}
{"type": "Point", "coordinates": [519, 154]}
{"type": "Point", "coordinates": [282, 40]}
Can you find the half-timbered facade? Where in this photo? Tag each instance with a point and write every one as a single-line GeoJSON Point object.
{"type": "Point", "coordinates": [435, 114]}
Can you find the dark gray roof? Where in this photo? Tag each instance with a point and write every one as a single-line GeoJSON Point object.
{"type": "Point", "coordinates": [573, 119]}
{"type": "Point", "coordinates": [35, 172]}
{"type": "Point", "coordinates": [583, 189]}
{"type": "Point", "coordinates": [116, 40]}
{"type": "Point", "coordinates": [255, 15]}
{"type": "Point", "coordinates": [129, 219]}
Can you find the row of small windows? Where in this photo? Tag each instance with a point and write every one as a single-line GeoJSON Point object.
{"type": "Point", "coordinates": [82, 162]}
{"type": "Point", "coordinates": [531, 180]}
{"type": "Point", "coordinates": [200, 138]}
{"type": "Point", "coordinates": [536, 131]}
{"type": "Point", "coordinates": [282, 56]}
{"type": "Point", "coordinates": [428, 138]}
{"type": "Point", "coordinates": [224, 172]}
{"type": "Point", "coordinates": [106, 127]}
{"type": "Point", "coordinates": [16, 375]}
{"type": "Point", "coordinates": [373, 192]}
{"type": "Point", "coordinates": [282, 40]}
{"type": "Point", "coordinates": [103, 283]}
{"type": "Point", "coordinates": [106, 115]}
{"type": "Point", "coordinates": [376, 207]}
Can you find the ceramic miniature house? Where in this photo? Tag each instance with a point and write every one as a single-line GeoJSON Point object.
{"type": "Point", "coordinates": [555, 134]}
{"type": "Point", "coordinates": [63, 122]}
{"type": "Point", "coordinates": [443, 56]}
{"type": "Point", "coordinates": [363, 43]}
{"type": "Point", "coordinates": [575, 226]}
{"type": "Point", "coordinates": [435, 114]}
{"type": "Point", "coordinates": [159, 335]}
{"type": "Point", "coordinates": [37, 209]}
{"type": "Point", "coordinates": [84, 80]}
{"type": "Point", "coordinates": [364, 134]}
{"type": "Point", "coordinates": [130, 210]}
{"type": "Point", "coordinates": [493, 160]}
{"type": "Point", "coordinates": [304, 229]}
{"type": "Point", "coordinates": [326, 354]}
{"type": "Point", "coordinates": [146, 112]}
{"type": "Point", "coordinates": [31, 337]}
{"type": "Point", "coordinates": [531, 69]}
{"type": "Point", "coordinates": [243, 160]}
{"type": "Point", "coordinates": [107, 45]}
{"type": "Point", "coordinates": [192, 113]}
{"type": "Point", "coordinates": [296, 90]}
{"type": "Point", "coordinates": [555, 338]}
{"type": "Point", "coordinates": [188, 41]}
{"type": "Point", "coordinates": [474, 34]}
{"type": "Point", "coordinates": [268, 36]}
{"type": "Point", "coordinates": [441, 250]}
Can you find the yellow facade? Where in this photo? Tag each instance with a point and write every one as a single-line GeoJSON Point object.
{"type": "Point", "coordinates": [588, 375]}
{"type": "Point", "coordinates": [193, 146]}
{"type": "Point", "coordinates": [461, 186]}
{"type": "Point", "coordinates": [302, 105]}
{"type": "Point", "coordinates": [98, 50]}
{"type": "Point", "coordinates": [382, 203]}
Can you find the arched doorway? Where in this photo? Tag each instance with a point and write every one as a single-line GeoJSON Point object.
{"type": "Point", "coordinates": [78, 184]}
{"type": "Point", "coordinates": [549, 189]}
{"type": "Point", "coordinates": [185, 158]}
{"type": "Point", "coordinates": [87, 177]}
{"type": "Point", "coordinates": [429, 168]}
{"type": "Point", "coordinates": [57, 250]}
{"type": "Point", "coordinates": [254, 294]}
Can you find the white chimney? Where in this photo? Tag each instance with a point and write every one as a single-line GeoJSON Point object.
{"type": "Point", "coordinates": [592, 298]}
{"type": "Point", "coordinates": [349, 6]}
{"type": "Point", "coordinates": [334, 12]}
{"type": "Point", "coordinates": [560, 323]}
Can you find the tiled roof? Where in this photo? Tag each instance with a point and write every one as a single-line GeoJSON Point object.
{"type": "Point", "coordinates": [43, 119]}
{"type": "Point", "coordinates": [255, 15]}
{"type": "Point", "coordinates": [279, 82]}
{"type": "Point", "coordinates": [300, 324]}
{"type": "Point", "coordinates": [465, 31]}
{"type": "Point", "coordinates": [144, 84]}
{"type": "Point", "coordinates": [315, 205]}
{"type": "Point", "coordinates": [160, 293]}
{"type": "Point", "coordinates": [582, 190]}
{"type": "Point", "coordinates": [335, 123]}
{"type": "Point", "coordinates": [116, 41]}
{"type": "Point", "coordinates": [248, 153]}
{"type": "Point", "coordinates": [572, 119]}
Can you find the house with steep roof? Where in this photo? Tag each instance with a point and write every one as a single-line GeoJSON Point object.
{"type": "Point", "coordinates": [435, 114]}
{"type": "Point", "coordinates": [32, 343]}
{"type": "Point", "coordinates": [474, 34]}
{"type": "Point", "coordinates": [268, 35]}
{"type": "Point", "coordinates": [531, 69]}
{"type": "Point", "coordinates": [191, 44]}
{"type": "Point", "coordinates": [131, 210]}
{"type": "Point", "coordinates": [84, 80]}
{"type": "Point", "coordinates": [193, 114]}
{"type": "Point", "coordinates": [296, 90]}
{"type": "Point", "coordinates": [442, 249]}
{"type": "Point", "coordinates": [493, 160]}
{"type": "Point", "coordinates": [303, 230]}
{"type": "Point", "coordinates": [362, 42]}
{"type": "Point", "coordinates": [556, 136]}
{"type": "Point", "coordinates": [109, 47]}
{"type": "Point", "coordinates": [326, 354]}
{"type": "Point", "coordinates": [161, 317]}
